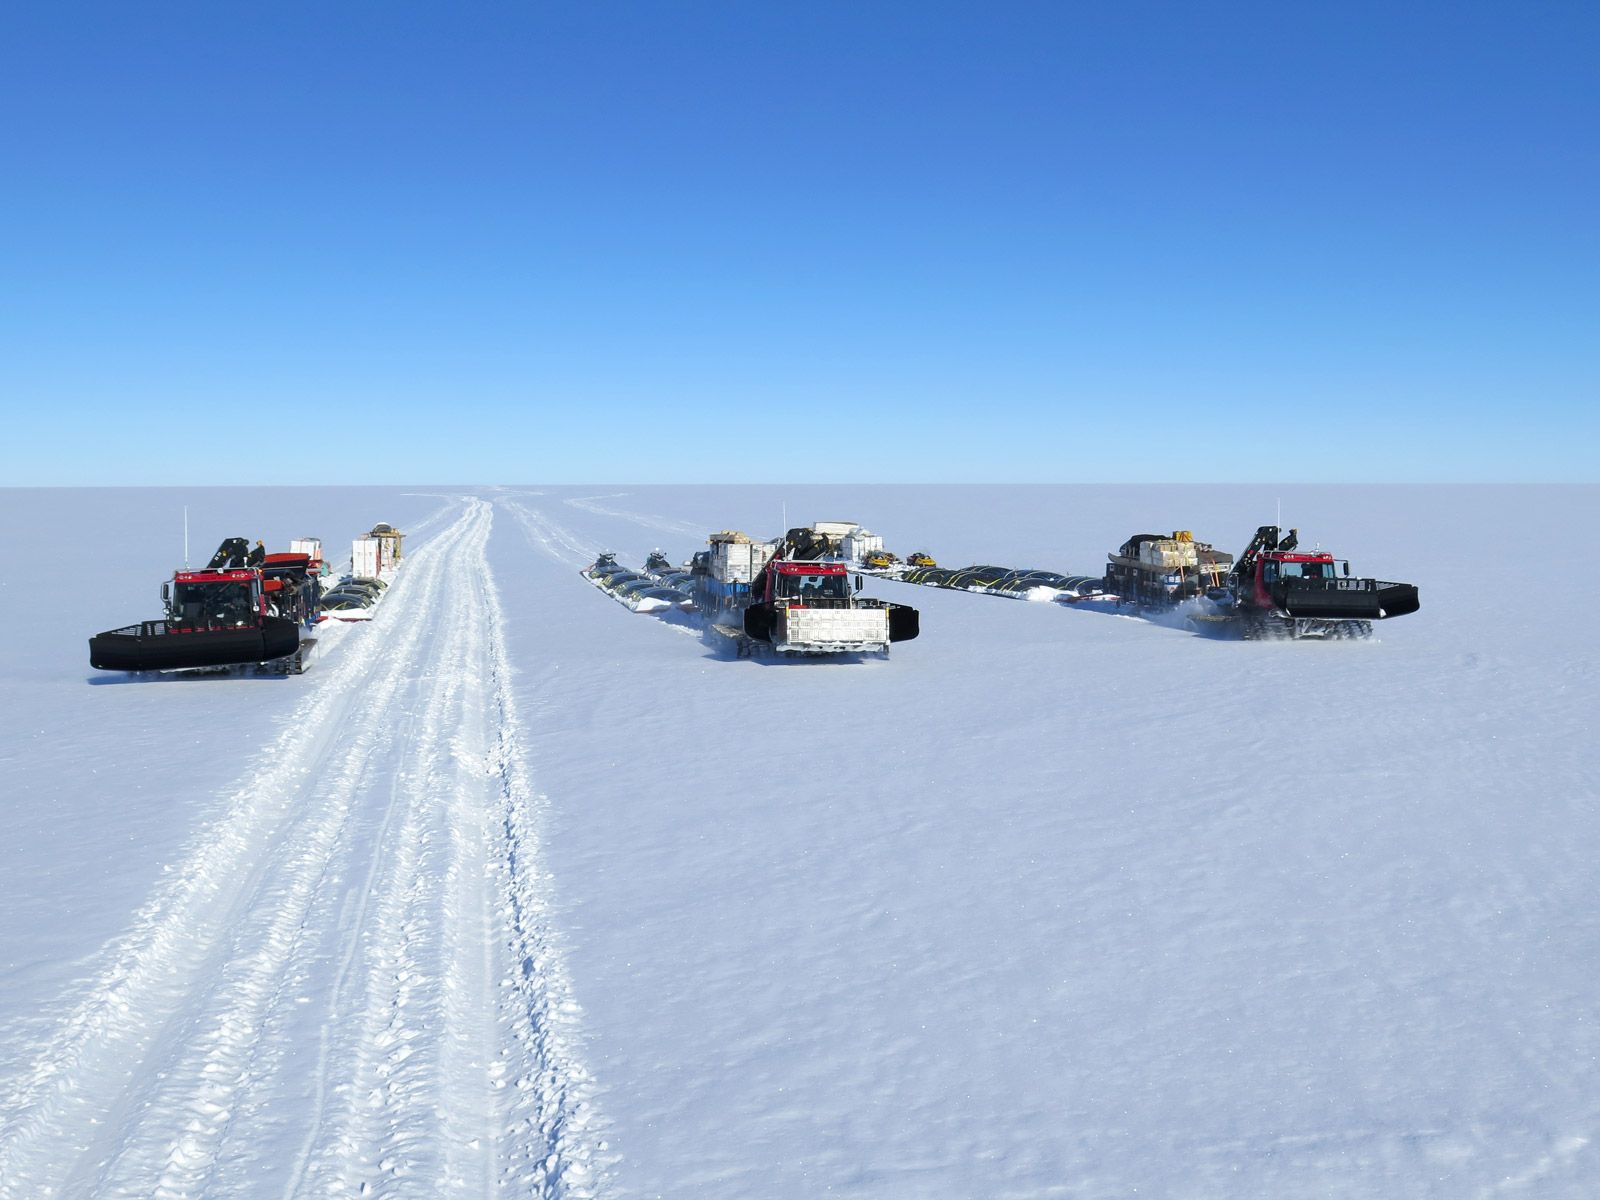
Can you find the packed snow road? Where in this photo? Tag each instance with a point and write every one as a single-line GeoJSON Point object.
{"type": "Point", "coordinates": [353, 961]}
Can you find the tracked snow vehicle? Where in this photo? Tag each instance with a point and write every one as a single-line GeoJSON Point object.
{"type": "Point", "coordinates": [234, 613]}
{"type": "Point", "coordinates": [1277, 590]}
{"type": "Point", "coordinates": [810, 608]}
{"type": "Point", "coordinates": [756, 594]}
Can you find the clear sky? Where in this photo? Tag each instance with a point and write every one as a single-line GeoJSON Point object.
{"type": "Point", "coordinates": [1054, 242]}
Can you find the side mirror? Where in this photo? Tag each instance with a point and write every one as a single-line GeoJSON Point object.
{"type": "Point", "coordinates": [1347, 569]}
{"type": "Point", "coordinates": [166, 593]}
{"type": "Point", "coordinates": [859, 583]}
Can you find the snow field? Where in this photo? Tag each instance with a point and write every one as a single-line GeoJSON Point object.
{"type": "Point", "coordinates": [1059, 902]}
{"type": "Point", "coordinates": [351, 900]}
{"type": "Point", "coordinates": [1054, 902]}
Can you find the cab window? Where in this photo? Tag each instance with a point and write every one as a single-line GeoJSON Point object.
{"type": "Point", "coordinates": [814, 587]}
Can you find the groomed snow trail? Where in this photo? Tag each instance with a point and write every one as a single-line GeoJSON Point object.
{"type": "Point", "coordinates": [355, 959]}
{"type": "Point", "coordinates": [550, 537]}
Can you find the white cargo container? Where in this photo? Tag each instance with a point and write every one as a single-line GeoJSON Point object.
{"type": "Point", "coordinates": [836, 529]}
{"type": "Point", "coordinates": [307, 545]}
{"type": "Point", "coordinates": [376, 554]}
{"type": "Point", "coordinates": [859, 543]}
{"type": "Point", "coordinates": [366, 557]}
{"type": "Point", "coordinates": [737, 559]}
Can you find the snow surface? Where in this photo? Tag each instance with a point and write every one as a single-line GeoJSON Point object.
{"type": "Point", "coordinates": [520, 893]}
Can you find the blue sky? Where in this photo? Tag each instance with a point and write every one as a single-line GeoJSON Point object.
{"type": "Point", "coordinates": [366, 243]}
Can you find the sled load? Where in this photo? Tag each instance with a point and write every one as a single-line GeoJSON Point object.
{"type": "Point", "coordinates": [374, 559]}
{"type": "Point", "coordinates": [1157, 570]}
{"type": "Point", "coordinates": [660, 588]}
{"type": "Point", "coordinates": [1018, 583]}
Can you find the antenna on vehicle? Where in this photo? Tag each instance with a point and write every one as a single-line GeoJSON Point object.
{"type": "Point", "coordinates": [784, 528]}
{"type": "Point", "coordinates": [1278, 520]}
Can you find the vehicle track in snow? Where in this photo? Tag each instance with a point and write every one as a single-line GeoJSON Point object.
{"type": "Point", "coordinates": [354, 961]}
{"type": "Point", "coordinates": [550, 537]}
{"type": "Point", "coordinates": [659, 524]}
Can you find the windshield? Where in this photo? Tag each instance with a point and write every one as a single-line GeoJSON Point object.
{"type": "Point", "coordinates": [1295, 570]}
{"type": "Point", "coordinates": [814, 587]}
{"type": "Point", "coordinates": [212, 603]}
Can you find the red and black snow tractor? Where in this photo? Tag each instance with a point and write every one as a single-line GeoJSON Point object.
{"type": "Point", "coordinates": [245, 608]}
{"type": "Point", "coordinates": [1277, 590]}
{"type": "Point", "coordinates": [808, 607]}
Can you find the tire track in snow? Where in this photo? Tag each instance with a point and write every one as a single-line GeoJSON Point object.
{"type": "Point", "coordinates": [77, 1098]}
{"type": "Point", "coordinates": [551, 538]}
{"type": "Point", "coordinates": [189, 1167]}
{"type": "Point", "coordinates": [556, 1145]}
{"type": "Point", "coordinates": [472, 944]}
{"type": "Point", "coordinates": [411, 910]}
{"type": "Point", "coordinates": [657, 523]}
{"type": "Point", "coordinates": [517, 1117]}
{"type": "Point", "coordinates": [447, 500]}
{"type": "Point", "coordinates": [393, 1125]}
{"type": "Point", "coordinates": [325, 1072]}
